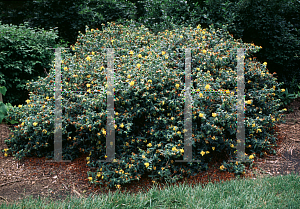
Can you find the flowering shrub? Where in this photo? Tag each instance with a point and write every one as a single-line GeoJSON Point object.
{"type": "Point", "coordinates": [149, 103]}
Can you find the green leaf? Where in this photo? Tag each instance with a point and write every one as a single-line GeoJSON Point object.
{"type": "Point", "coordinates": [3, 90]}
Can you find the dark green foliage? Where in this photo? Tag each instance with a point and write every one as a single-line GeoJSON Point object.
{"type": "Point", "coordinates": [15, 12]}
{"type": "Point", "coordinates": [269, 24]}
{"type": "Point", "coordinates": [72, 16]}
{"type": "Point", "coordinates": [23, 57]}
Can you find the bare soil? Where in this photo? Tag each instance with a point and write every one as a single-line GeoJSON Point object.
{"type": "Point", "coordinates": [34, 177]}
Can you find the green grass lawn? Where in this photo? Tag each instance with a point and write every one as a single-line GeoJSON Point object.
{"type": "Point", "coordinates": [267, 192]}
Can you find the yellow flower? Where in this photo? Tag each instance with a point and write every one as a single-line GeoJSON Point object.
{"type": "Point", "coordinates": [258, 130]}
{"type": "Point", "coordinates": [200, 95]}
{"type": "Point", "coordinates": [198, 69]}
{"type": "Point", "coordinates": [88, 76]}
{"type": "Point", "coordinates": [131, 83]}
{"type": "Point", "coordinates": [163, 53]}
{"type": "Point", "coordinates": [22, 124]}
{"type": "Point", "coordinates": [213, 148]}
{"type": "Point", "coordinates": [98, 174]}
{"type": "Point", "coordinates": [149, 81]}
{"type": "Point", "coordinates": [20, 106]}
{"type": "Point", "coordinates": [202, 153]}
{"type": "Point", "coordinates": [181, 36]}
{"type": "Point", "coordinates": [88, 158]}
{"type": "Point", "coordinates": [27, 101]}
{"type": "Point", "coordinates": [232, 146]}
{"type": "Point", "coordinates": [118, 186]}
{"type": "Point", "coordinates": [149, 145]}
{"type": "Point", "coordinates": [177, 85]}
{"type": "Point", "coordinates": [88, 85]}
{"type": "Point", "coordinates": [214, 114]}
{"type": "Point", "coordinates": [207, 87]}
{"type": "Point", "coordinates": [131, 52]}
{"type": "Point", "coordinates": [265, 63]}
{"type": "Point", "coordinates": [198, 27]}
{"type": "Point", "coordinates": [140, 56]}
{"type": "Point", "coordinates": [5, 155]}
{"type": "Point", "coordinates": [116, 126]}
{"type": "Point", "coordinates": [282, 90]}
{"type": "Point", "coordinates": [112, 41]}
{"type": "Point", "coordinates": [73, 48]}
{"type": "Point", "coordinates": [251, 157]}
{"type": "Point", "coordinates": [45, 131]}
{"type": "Point", "coordinates": [222, 167]}
{"type": "Point", "coordinates": [249, 101]}
{"type": "Point", "coordinates": [65, 68]}
{"type": "Point", "coordinates": [285, 109]}
{"type": "Point", "coordinates": [121, 125]}
{"type": "Point", "coordinates": [181, 150]}
{"type": "Point", "coordinates": [174, 149]}
{"type": "Point", "coordinates": [117, 113]}
{"type": "Point", "coordinates": [143, 156]}
{"type": "Point", "coordinates": [101, 67]}
{"type": "Point", "coordinates": [253, 125]}
{"type": "Point", "coordinates": [178, 132]}
{"type": "Point", "coordinates": [204, 51]}
{"type": "Point", "coordinates": [166, 57]}
{"type": "Point", "coordinates": [162, 168]}
{"type": "Point", "coordinates": [35, 124]}
{"type": "Point", "coordinates": [172, 118]}
{"type": "Point", "coordinates": [201, 115]}
{"type": "Point", "coordinates": [88, 58]}
{"type": "Point", "coordinates": [138, 65]}
{"type": "Point", "coordinates": [207, 152]}
{"type": "Point", "coordinates": [90, 178]}
{"type": "Point", "coordinates": [128, 76]}
{"type": "Point", "coordinates": [146, 164]}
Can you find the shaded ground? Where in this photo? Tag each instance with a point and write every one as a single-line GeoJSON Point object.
{"type": "Point", "coordinates": [35, 177]}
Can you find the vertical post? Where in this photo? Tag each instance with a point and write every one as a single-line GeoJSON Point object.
{"type": "Point", "coordinates": [110, 137]}
{"type": "Point", "coordinates": [240, 135]}
{"type": "Point", "coordinates": [58, 111]}
{"type": "Point", "coordinates": [188, 111]}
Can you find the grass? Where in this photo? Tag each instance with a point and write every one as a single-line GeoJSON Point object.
{"type": "Point", "coordinates": [267, 192]}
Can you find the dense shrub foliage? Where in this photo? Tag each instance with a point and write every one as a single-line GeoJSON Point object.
{"type": "Point", "coordinates": [23, 56]}
{"type": "Point", "coordinates": [149, 103]}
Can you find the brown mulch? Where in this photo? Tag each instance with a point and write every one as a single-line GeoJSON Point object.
{"type": "Point", "coordinates": [35, 177]}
